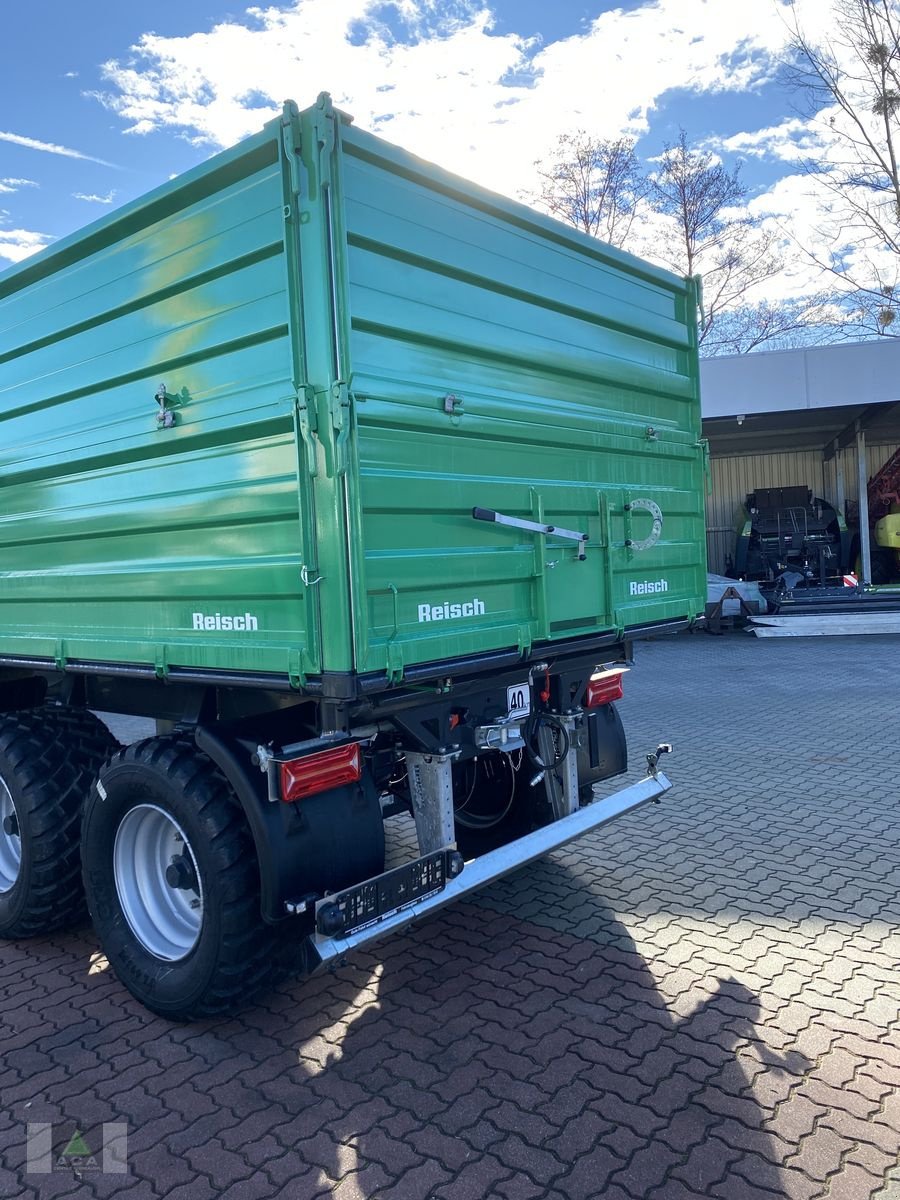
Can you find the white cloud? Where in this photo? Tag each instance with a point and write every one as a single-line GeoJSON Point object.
{"type": "Point", "coordinates": [17, 139]}
{"type": "Point", "coordinates": [486, 104]}
{"type": "Point", "coordinates": [812, 221]}
{"type": "Point", "coordinates": [16, 244]}
{"type": "Point", "coordinates": [9, 185]}
{"type": "Point", "coordinates": [793, 141]}
{"type": "Point", "coordinates": [93, 198]}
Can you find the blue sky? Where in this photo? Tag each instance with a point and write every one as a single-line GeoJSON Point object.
{"type": "Point", "coordinates": [151, 90]}
{"type": "Point", "coordinates": [53, 58]}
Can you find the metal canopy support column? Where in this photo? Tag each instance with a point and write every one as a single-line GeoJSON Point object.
{"type": "Point", "coordinates": [863, 505]}
{"type": "Point", "coordinates": [839, 485]}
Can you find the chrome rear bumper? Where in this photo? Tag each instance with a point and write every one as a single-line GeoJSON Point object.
{"type": "Point", "coordinates": [497, 863]}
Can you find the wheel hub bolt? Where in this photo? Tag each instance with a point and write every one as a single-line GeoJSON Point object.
{"type": "Point", "coordinates": [11, 825]}
{"type": "Point", "coordinates": [180, 873]}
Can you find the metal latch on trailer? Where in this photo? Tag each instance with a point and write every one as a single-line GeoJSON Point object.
{"type": "Point", "coordinates": [339, 403]}
{"type": "Point", "coordinates": [573, 535]}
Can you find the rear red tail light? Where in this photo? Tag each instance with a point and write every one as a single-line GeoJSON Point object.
{"type": "Point", "coordinates": [321, 771]}
{"type": "Point", "coordinates": [603, 688]}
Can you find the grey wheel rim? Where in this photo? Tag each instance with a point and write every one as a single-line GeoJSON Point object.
{"type": "Point", "coordinates": [158, 882]}
{"type": "Point", "coordinates": [10, 840]}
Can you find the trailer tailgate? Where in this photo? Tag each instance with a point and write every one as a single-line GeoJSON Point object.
{"type": "Point", "coordinates": [503, 362]}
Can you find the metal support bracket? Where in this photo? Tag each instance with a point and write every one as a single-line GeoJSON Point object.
{"type": "Point", "coordinates": [569, 767]}
{"type": "Point", "coordinates": [561, 782]}
{"type": "Point", "coordinates": [703, 447]}
{"type": "Point", "coordinates": [296, 674]}
{"type": "Point", "coordinates": [552, 786]}
{"type": "Point", "coordinates": [394, 662]}
{"type": "Point", "coordinates": [431, 788]}
{"type": "Point", "coordinates": [714, 614]}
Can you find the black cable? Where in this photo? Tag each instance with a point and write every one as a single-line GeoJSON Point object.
{"type": "Point", "coordinates": [532, 727]}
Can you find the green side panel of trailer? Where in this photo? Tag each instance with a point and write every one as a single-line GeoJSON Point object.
{"type": "Point", "coordinates": [115, 532]}
{"type": "Point", "coordinates": [359, 349]}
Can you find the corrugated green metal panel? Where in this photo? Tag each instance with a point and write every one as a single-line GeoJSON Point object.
{"type": "Point", "coordinates": [114, 533]}
{"type": "Point", "coordinates": [562, 353]}
{"type": "Point", "coordinates": [370, 286]}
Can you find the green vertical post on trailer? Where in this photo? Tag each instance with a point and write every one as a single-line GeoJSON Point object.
{"type": "Point", "coordinates": [360, 350]}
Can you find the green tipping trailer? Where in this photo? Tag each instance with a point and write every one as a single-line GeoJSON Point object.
{"type": "Point", "coordinates": [362, 479]}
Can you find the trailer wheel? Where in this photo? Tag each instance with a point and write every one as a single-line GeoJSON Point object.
{"type": "Point", "coordinates": [172, 883]}
{"type": "Point", "coordinates": [48, 758]}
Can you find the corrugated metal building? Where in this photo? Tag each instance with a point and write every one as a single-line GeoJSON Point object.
{"type": "Point", "coordinates": [735, 476]}
{"type": "Point", "coordinates": [792, 417]}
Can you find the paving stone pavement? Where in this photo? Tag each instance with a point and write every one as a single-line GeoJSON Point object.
{"type": "Point", "coordinates": [699, 1001]}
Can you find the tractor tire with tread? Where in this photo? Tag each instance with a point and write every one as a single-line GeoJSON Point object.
{"type": "Point", "coordinates": [235, 955]}
{"type": "Point", "coordinates": [49, 757]}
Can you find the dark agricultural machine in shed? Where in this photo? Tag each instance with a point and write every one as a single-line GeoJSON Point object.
{"type": "Point", "coordinates": [805, 555]}
{"type": "Point", "coordinates": [788, 538]}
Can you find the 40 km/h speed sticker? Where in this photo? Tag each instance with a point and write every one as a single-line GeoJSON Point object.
{"type": "Point", "coordinates": [518, 700]}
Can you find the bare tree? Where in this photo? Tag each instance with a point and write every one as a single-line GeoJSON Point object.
{"type": "Point", "coordinates": [593, 183]}
{"type": "Point", "coordinates": [688, 216]}
{"type": "Point", "coordinates": [811, 321]}
{"type": "Point", "coordinates": [851, 84]}
{"type": "Point", "coordinates": [708, 233]}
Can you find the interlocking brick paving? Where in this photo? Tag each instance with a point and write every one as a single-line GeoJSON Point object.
{"type": "Point", "coordinates": [699, 1001]}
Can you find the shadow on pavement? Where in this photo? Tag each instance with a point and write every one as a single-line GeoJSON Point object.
{"type": "Point", "coordinates": [486, 1057]}
{"type": "Point", "coordinates": [494, 1053]}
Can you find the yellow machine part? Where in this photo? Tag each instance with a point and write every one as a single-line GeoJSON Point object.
{"type": "Point", "coordinates": [887, 531]}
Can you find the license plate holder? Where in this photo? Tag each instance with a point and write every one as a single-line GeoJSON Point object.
{"type": "Point", "coordinates": [367, 903]}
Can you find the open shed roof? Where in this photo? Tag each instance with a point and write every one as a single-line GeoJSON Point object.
{"type": "Point", "coordinates": [781, 400]}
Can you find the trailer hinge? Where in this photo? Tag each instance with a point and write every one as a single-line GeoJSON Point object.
{"type": "Point", "coordinates": [626, 524]}
{"type": "Point", "coordinates": [306, 424]}
{"type": "Point", "coordinates": [524, 640]}
{"type": "Point", "coordinates": [59, 657]}
{"type": "Point", "coordinates": [394, 662]}
{"type": "Point", "coordinates": [323, 130]}
{"type": "Point", "coordinates": [290, 141]}
{"type": "Point", "coordinates": [340, 399]}
{"type": "Point", "coordinates": [160, 665]}
{"type": "Point", "coordinates": [296, 674]}
{"type": "Point", "coordinates": [703, 445]}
